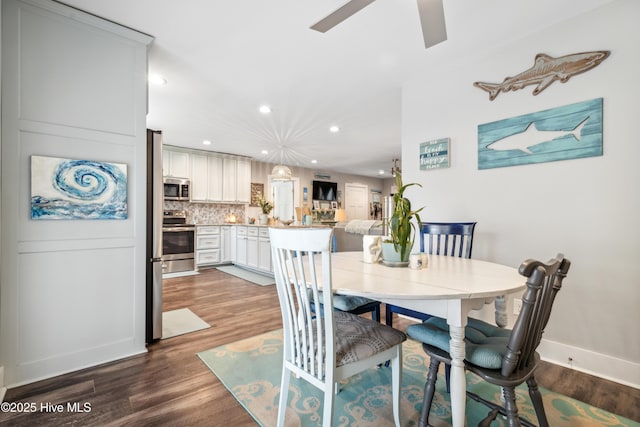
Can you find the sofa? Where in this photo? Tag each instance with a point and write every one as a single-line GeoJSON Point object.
{"type": "Point", "coordinates": [349, 234]}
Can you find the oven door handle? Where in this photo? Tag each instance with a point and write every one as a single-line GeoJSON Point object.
{"type": "Point", "coordinates": [177, 229]}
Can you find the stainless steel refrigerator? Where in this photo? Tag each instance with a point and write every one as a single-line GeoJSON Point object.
{"type": "Point", "coordinates": [155, 194]}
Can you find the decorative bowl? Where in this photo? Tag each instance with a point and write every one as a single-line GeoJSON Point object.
{"type": "Point", "coordinates": [286, 222]}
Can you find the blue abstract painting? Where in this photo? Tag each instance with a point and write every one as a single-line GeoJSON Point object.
{"type": "Point", "coordinates": [569, 132]}
{"type": "Point", "coordinates": [77, 189]}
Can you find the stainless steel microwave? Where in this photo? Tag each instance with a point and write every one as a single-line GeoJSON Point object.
{"type": "Point", "coordinates": [177, 189]}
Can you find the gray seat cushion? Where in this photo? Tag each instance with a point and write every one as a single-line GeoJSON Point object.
{"type": "Point", "coordinates": [358, 338]}
{"type": "Point", "coordinates": [485, 344]}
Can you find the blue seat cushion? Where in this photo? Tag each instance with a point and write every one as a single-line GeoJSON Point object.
{"type": "Point", "coordinates": [345, 302]}
{"type": "Point", "coordinates": [485, 344]}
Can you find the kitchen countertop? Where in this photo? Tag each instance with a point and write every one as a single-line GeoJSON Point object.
{"type": "Point", "coordinates": [315, 224]}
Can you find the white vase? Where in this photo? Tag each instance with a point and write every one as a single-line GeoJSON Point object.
{"type": "Point", "coordinates": [264, 219]}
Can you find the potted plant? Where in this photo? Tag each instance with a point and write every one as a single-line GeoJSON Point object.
{"type": "Point", "coordinates": [266, 207]}
{"type": "Point", "coordinates": [403, 225]}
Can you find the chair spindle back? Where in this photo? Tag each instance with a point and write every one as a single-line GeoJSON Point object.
{"type": "Point", "coordinates": [308, 336]}
{"type": "Point", "coordinates": [447, 238]}
{"type": "Point", "coordinates": [543, 283]}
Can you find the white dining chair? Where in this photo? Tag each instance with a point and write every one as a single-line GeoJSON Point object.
{"type": "Point", "coordinates": [327, 346]}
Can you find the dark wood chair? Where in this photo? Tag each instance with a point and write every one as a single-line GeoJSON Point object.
{"type": "Point", "coordinates": [441, 238]}
{"type": "Point", "coordinates": [498, 356]}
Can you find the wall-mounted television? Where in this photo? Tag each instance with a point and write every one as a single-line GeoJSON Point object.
{"type": "Point", "coordinates": [323, 190]}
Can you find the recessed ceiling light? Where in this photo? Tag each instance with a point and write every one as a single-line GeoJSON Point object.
{"type": "Point", "coordinates": [381, 172]}
{"type": "Point", "coordinates": [206, 142]}
{"type": "Point", "coordinates": [157, 79]}
{"type": "Point", "coordinates": [334, 129]}
{"type": "Point", "coordinates": [265, 109]}
{"type": "Point", "coordinates": [314, 161]}
{"type": "Point", "coordinates": [264, 152]}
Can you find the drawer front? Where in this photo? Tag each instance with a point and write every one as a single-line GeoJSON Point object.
{"type": "Point", "coordinates": [241, 231]}
{"type": "Point", "coordinates": [208, 230]}
{"type": "Point", "coordinates": [252, 231]}
{"type": "Point", "coordinates": [264, 232]}
{"type": "Point", "coordinates": [208, 242]}
{"type": "Point", "coordinates": [208, 257]}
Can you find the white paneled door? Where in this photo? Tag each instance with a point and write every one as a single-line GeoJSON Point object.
{"type": "Point", "coordinates": [356, 200]}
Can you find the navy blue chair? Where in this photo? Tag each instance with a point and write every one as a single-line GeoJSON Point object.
{"type": "Point", "coordinates": [438, 238]}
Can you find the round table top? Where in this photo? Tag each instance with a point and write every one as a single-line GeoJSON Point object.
{"type": "Point", "coordinates": [445, 277]}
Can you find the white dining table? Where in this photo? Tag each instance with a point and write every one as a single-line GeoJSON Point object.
{"type": "Point", "coordinates": [449, 287]}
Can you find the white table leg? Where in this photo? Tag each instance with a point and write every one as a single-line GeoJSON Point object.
{"type": "Point", "coordinates": [458, 379]}
{"type": "Point", "coordinates": [457, 320]}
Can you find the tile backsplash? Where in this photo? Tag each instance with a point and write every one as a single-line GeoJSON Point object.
{"type": "Point", "coordinates": [208, 213]}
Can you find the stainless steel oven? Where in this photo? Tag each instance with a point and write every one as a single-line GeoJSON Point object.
{"type": "Point", "coordinates": [178, 243]}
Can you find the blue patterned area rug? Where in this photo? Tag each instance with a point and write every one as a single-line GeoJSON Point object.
{"type": "Point", "coordinates": [250, 369]}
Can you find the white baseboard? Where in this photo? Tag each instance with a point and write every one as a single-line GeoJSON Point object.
{"type": "Point", "coordinates": [597, 364]}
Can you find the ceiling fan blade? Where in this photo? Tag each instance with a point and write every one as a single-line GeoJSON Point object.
{"type": "Point", "coordinates": [340, 15]}
{"type": "Point", "coordinates": [434, 29]}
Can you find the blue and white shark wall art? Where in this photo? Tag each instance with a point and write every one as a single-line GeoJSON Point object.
{"type": "Point", "coordinates": [77, 189]}
{"type": "Point", "coordinates": [570, 132]}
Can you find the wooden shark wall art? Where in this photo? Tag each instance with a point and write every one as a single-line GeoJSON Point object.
{"type": "Point", "coordinates": [545, 71]}
{"type": "Point", "coordinates": [569, 132]}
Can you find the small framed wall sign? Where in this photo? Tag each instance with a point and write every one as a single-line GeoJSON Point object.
{"type": "Point", "coordinates": [434, 154]}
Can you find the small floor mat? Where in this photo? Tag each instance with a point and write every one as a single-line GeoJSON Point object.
{"type": "Point", "coordinates": [180, 322]}
{"type": "Point", "coordinates": [257, 278]}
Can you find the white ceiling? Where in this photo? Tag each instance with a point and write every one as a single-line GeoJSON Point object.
{"type": "Point", "coordinates": [223, 59]}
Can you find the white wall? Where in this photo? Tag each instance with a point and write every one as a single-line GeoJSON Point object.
{"type": "Point", "coordinates": [71, 291]}
{"type": "Point", "coordinates": [585, 208]}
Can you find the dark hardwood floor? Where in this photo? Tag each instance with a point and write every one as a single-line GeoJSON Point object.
{"type": "Point", "coordinates": [169, 385]}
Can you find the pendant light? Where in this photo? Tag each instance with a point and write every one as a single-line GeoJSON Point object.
{"type": "Point", "coordinates": [281, 173]}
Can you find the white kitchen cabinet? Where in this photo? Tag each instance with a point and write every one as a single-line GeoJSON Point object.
{"type": "Point", "coordinates": [241, 245]}
{"type": "Point", "coordinates": [243, 180]}
{"type": "Point", "coordinates": [175, 163]}
{"type": "Point", "coordinates": [264, 250]}
{"type": "Point", "coordinates": [225, 244]}
{"type": "Point", "coordinates": [236, 183]}
{"type": "Point", "coordinates": [229, 171]}
{"type": "Point", "coordinates": [215, 178]}
{"type": "Point", "coordinates": [252, 247]}
{"type": "Point", "coordinates": [208, 245]}
{"type": "Point", "coordinates": [233, 242]}
{"type": "Point", "coordinates": [206, 178]}
{"type": "Point", "coordinates": [199, 177]}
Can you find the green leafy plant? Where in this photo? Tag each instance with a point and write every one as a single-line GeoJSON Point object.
{"type": "Point", "coordinates": [404, 223]}
{"type": "Point", "coordinates": [265, 205]}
